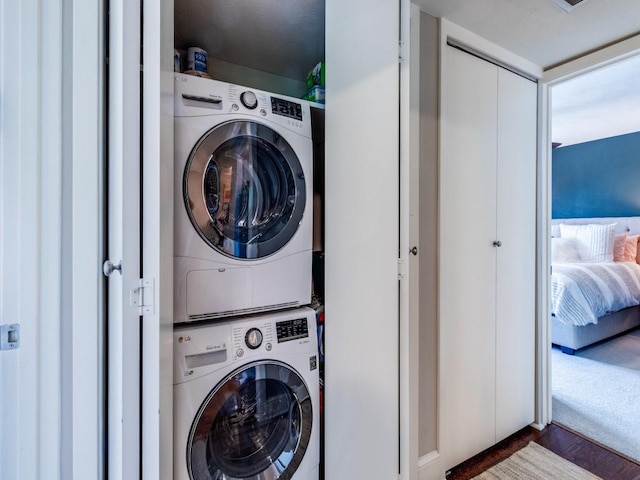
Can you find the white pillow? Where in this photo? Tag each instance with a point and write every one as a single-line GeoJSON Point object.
{"type": "Point", "coordinates": [564, 250]}
{"type": "Point", "coordinates": [595, 241]}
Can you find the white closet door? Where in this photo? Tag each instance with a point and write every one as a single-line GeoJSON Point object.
{"type": "Point", "coordinates": [24, 241]}
{"type": "Point", "coordinates": [361, 240]}
{"type": "Point", "coordinates": [123, 390]}
{"type": "Point", "coordinates": [515, 333]}
{"type": "Point", "coordinates": [467, 256]}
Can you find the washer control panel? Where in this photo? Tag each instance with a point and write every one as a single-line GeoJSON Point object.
{"type": "Point", "coordinates": [205, 347]}
{"type": "Point", "coordinates": [246, 341]}
{"type": "Point", "coordinates": [295, 329]}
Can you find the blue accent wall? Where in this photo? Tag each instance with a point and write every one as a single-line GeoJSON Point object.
{"type": "Point", "coordinates": [597, 179]}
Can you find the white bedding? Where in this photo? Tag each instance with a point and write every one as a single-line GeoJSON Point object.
{"type": "Point", "coordinates": [583, 292]}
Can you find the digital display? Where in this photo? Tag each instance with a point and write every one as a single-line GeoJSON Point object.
{"type": "Point", "coordinates": [292, 329]}
{"type": "Point", "coordinates": [279, 106]}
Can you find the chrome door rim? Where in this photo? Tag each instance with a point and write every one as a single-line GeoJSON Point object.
{"type": "Point", "coordinates": [271, 161]}
{"type": "Point", "coordinates": [281, 467]}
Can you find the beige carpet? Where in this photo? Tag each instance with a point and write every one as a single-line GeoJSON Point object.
{"type": "Point", "coordinates": [534, 462]}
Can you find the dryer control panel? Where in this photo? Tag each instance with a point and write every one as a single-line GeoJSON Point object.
{"type": "Point", "coordinates": [195, 96]}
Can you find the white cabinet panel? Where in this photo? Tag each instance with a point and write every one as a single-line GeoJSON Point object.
{"type": "Point", "coordinates": [487, 254]}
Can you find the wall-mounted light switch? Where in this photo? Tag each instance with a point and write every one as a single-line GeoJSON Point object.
{"type": "Point", "coordinates": [10, 336]}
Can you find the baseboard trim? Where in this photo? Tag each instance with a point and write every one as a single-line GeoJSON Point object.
{"type": "Point", "coordinates": [538, 426]}
{"type": "Point", "coordinates": [430, 466]}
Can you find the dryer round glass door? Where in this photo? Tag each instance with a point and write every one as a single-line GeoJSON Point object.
{"type": "Point", "coordinates": [254, 425]}
{"type": "Point", "coordinates": [244, 189]}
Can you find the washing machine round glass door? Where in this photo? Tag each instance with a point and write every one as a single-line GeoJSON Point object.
{"type": "Point", "coordinates": [244, 189]}
{"type": "Point", "coordinates": [255, 424]}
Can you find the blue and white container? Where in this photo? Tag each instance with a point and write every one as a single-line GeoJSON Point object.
{"type": "Point", "coordinates": [196, 59]}
{"type": "Point", "coordinates": [178, 60]}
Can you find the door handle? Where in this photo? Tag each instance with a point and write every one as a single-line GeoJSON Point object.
{"type": "Point", "coordinates": [497, 243]}
{"type": "Point", "coordinates": [108, 267]}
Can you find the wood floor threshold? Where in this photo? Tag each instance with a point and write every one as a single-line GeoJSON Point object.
{"type": "Point", "coordinates": [601, 445]}
{"type": "Point", "coordinates": [584, 452]}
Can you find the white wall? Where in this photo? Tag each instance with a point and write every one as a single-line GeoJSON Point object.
{"type": "Point", "coordinates": [241, 75]}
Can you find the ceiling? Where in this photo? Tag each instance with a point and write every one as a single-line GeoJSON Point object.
{"type": "Point", "coordinates": [596, 105]}
{"type": "Point", "coordinates": [537, 29]}
{"type": "Point", "coordinates": [603, 103]}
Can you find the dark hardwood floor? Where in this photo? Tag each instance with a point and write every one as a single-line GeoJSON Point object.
{"type": "Point", "coordinates": [597, 459]}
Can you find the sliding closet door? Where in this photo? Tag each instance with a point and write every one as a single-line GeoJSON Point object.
{"type": "Point", "coordinates": [516, 210]}
{"type": "Point", "coordinates": [467, 257]}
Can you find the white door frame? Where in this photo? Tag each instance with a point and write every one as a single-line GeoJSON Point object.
{"type": "Point", "coordinates": [588, 63]}
{"type": "Point", "coordinates": [409, 237]}
{"type": "Point", "coordinates": [141, 237]}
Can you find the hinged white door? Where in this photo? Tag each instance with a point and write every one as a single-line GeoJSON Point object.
{"type": "Point", "coordinates": [124, 240]}
{"type": "Point", "coordinates": [362, 240]}
{"type": "Point", "coordinates": [141, 238]}
{"type": "Point", "coordinates": [157, 241]}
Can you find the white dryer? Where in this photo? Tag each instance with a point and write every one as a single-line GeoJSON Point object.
{"type": "Point", "coordinates": [243, 200]}
{"type": "Point", "coordinates": [246, 395]}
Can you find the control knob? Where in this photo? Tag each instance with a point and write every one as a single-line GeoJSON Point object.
{"type": "Point", "coordinates": [249, 99]}
{"type": "Point", "coordinates": [253, 338]}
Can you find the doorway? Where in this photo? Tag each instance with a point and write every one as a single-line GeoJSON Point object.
{"type": "Point", "coordinates": [591, 181]}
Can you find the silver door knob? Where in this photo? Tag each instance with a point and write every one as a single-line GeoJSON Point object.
{"type": "Point", "coordinates": [108, 267]}
{"type": "Point", "coordinates": [497, 243]}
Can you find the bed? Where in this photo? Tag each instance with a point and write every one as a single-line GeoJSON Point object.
{"type": "Point", "coordinates": [593, 296]}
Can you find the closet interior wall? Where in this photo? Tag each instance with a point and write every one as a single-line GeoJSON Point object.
{"type": "Point", "coordinates": [428, 234]}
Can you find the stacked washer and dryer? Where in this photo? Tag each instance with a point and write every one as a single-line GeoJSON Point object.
{"type": "Point", "coordinates": [246, 386]}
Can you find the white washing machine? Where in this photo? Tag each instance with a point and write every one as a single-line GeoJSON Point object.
{"type": "Point", "coordinates": [243, 200]}
{"type": "Point", "coordinates": [246, 396]}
